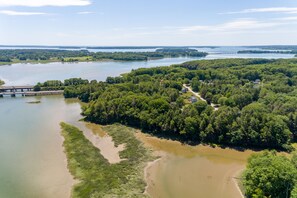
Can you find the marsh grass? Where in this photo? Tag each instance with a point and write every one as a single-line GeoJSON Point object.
{"type": "Point", "coordinates": [96, 176]}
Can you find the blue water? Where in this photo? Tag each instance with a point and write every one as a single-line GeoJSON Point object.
{"type": "Point", "coordinates": [30, 74]}
{"type": "Point", "coordinates": [32, 159]}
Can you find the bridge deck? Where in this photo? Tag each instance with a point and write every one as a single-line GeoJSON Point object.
{"type": "Point", "coordinates": [26, 90]}
{"type": "Point", "coordinates": [5, 88]}
{"type": "Point", "coordinates": [32, 93]}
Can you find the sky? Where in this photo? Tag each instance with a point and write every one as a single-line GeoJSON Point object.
{"type": "Point", "coordinates": [148, 22]}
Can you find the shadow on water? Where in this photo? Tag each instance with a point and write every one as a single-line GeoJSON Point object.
{"type": "Point", "coordinates": [185, 141]}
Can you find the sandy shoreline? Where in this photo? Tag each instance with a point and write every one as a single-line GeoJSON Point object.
{"type": "Point", "coordinates": [74, 181]}
{"type": "Point", "coordinates": [236, 181]}
{"type": "Point", "coordinates": [147, 174]}
{"type": "Point", "coordinates": [183, 170]}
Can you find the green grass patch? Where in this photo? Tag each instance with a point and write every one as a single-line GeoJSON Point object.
{"type": "Point", "coordinates": [78, 59]}
{"type": "Point", "coordinates": [97, 177]}
{"type": "Point", "coordinates": [186, 97]}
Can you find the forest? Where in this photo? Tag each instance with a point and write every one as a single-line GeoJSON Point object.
{"type": "Point", "coordinates": [276, 47]}
{"type": "Point", "coordinates": [257, 108]}
{"type": "Point", "coordinates": [269, 174]}
{"type": "Point", "coordinates": [256, 98]}
{"type": "Point", "coordinates": [267, 52]}
{"type": "Point", "coordinates": [48, 55]}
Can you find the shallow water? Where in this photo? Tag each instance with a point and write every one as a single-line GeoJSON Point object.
{"type": "Point", "coordinates": [193, 171]}
{"type": "Point", "coordinates": [102, 141]}
{"type": "Point", "coordinates": [33, 163]}
{"type": "Point", "coordinates": [32, 160]}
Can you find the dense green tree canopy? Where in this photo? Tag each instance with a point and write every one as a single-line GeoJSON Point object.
{"type": "Point", "coordinates": [270, 175]}
{"type": "Point", "coordinates": [257, 99]}
{"type": "Point", "coordinates": [16, 55]}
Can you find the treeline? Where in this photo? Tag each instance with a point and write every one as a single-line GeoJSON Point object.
{"type": "Point", "coordinates": [59, 85]}
{"type": "Point", "coordinates": [38, 54]}
{"type": "Point", "coordinates": [267, 52]}
{"type": "Point", "coordinates": [180, 51]}
{"type": "Point", "coordinates": [17, 55]}
{"type": "Point", "coordinates": [277, 47]}
{"type": "Point", "coordinates": [270, 175]}
{"type": "Point", "coordinates": [257, 97]}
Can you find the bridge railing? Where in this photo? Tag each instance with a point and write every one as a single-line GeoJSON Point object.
{"type": "Point", "coordinates": [25, 91]}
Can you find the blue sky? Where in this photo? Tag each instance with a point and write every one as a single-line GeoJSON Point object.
{"type": "Point", "coordinates": [148, 22]}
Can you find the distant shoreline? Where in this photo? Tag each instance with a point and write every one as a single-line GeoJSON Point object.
{"type": "Point", "coordinates": [83, 61]}
{"type": "Point", "coordinates": [58, 61]}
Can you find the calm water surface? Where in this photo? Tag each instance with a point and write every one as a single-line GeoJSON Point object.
{"type": "Point", "coordinates": [193, 171]}
{"type": "Point", "coordinates": [33, 163]}
{"type": "Point", "coordinates": [30, 74]}
{"type": "Point", "coordinates": [32, 160]}
{"type": "Point", "coordinates": [24, 74]}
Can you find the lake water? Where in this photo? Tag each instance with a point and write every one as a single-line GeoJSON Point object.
{"type": "Point", "coordinates": [33, 163]}
{"type": "Point", "coordinates": [32, 160]}
{"type": "Point", "coordinates": [30, 74]}
{"type": "Point", "coordinates": [193, 171]}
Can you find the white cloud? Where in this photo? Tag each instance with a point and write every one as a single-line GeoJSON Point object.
{"type": "Point", "coordinates": [265, 10]}
{"type": "Point", "coordinates": [41, 3]}
{"type": "Point", "coordinates": [85, 12]}
{"type": "Point", "coordinates": [239, 24]}
{"type": "Point", "coordinates": [294, 18]}
{"type": "Point", "coordinates": [16, 13]}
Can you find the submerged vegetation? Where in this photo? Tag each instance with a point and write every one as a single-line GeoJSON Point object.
{"type": "Point", "coordinates": [96, 176]}
{"type": "Point", "coordinates": [50, 55]}
{"type": "Point", "coordinates": [34, 102]}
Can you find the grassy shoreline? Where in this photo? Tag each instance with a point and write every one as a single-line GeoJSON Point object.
{"type": "Point", "coordinates": [238, 182]}
{"type": "Point", "coordinates": [57, 61]}
{"type": "Point", "coordinates": [81, 60]}
{"type": "Point", "coordinates": [96, 176]}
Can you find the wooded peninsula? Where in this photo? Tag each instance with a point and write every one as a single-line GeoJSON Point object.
{"type": "Point", "coordinates": [256, 99]}
{"type": "Point", "coordinates": [267, 52]}
{"type": "Point", "coordinates": [255, 107]}
{"type": "Point", "coordinates": [10, 56]}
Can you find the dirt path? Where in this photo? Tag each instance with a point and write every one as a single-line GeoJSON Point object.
{"type": "Point", "coordinates": [200, 97]}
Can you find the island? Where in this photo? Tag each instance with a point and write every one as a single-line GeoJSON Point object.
{"type": "Point", "coordinates": [267, 52]}
{"type": "Point", "coordinates": [10, 56]}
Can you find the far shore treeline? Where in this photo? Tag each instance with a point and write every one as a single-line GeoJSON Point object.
{"type": "Point", "coordinates": [50, 55]}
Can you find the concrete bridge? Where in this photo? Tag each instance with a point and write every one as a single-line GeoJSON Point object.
{"type": "Point", "coordinates": [13, 91]}
{"type": "Point", "coordinates": [16, 88]}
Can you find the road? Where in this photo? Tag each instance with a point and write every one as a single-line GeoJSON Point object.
{"type": "Point", "coordinates": [199, 96]}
